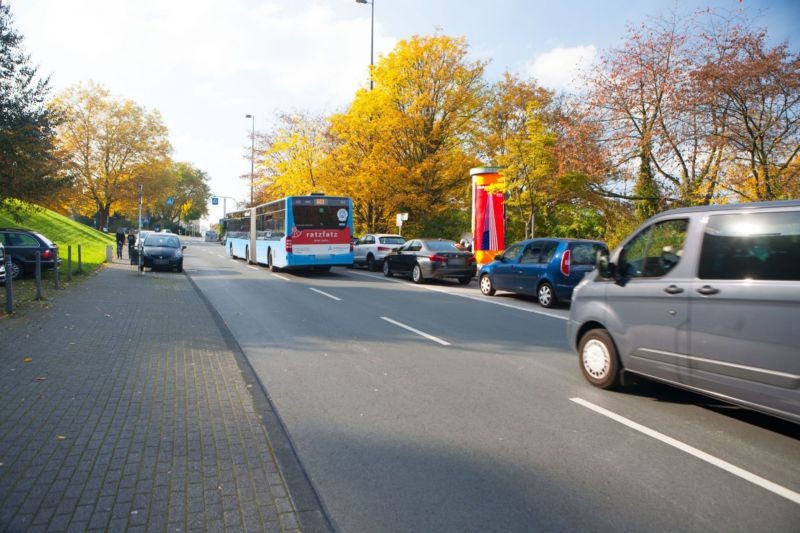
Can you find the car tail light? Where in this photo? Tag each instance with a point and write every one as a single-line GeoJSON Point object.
{"type": "Point", "coordinates": [566, 260]}
{"type": "Point", "coordinates": [47, 255]}
{"type": "Point", "coordinates": [470, 259]}
{"type": "Point", "coordinates": [437, 259]}
{"type": "Point", "coordinates": [288, 245]}
{"type": "Point", "coordinates": [384, 249]}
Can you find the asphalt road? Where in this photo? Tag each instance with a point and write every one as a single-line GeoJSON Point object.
{"type": "Point", "coordinates": [434, 408]}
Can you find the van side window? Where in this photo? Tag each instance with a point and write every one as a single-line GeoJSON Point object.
{"type": "Point", "coordinates": [655, 250]}
{"type": "Point", "coordinates": [762, 246]}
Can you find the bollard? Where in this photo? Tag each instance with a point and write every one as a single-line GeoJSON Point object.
{"type": "Point", "coordinates": [80, 266]}
{"type": "Point", "coordinates": [55, 269]}
{"type": "Point", "coordinates": [69, 263]}
{"type": "Point", "coordinates": [109, 253]}
{"type": "Point", "coordinates": [38, 276]}
{"type": "Point", "coordinates": [9, 288]}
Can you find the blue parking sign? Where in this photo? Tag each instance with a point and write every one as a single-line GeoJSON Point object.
{"type": "Point", "coordinates": [214, 200]}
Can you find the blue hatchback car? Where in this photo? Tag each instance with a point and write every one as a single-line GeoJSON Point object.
{"type": "Point", "coordinates": [548, 268]}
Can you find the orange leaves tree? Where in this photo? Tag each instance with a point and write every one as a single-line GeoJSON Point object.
{"type": "Point", "coordinates": [109, 148]}
{"type": "Point", "coordinates": [404, 145]}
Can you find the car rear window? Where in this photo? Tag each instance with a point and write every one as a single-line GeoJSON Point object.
{"type": "Point", "coordinates": [763, 246]}
{"type": "Point", "coordinates": [585, 253]}
{"type": "Point", "coordinates": [392, 240]}
{"type": "Point", "coordinates": [442, 246]}
{"type": "Point", "coordinates": [44, 239]}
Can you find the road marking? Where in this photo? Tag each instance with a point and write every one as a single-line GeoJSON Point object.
{"type": "Point", "coordinates": [284, 278]}
{"type": "Point", "coordinates": [331, 296]}
{"type": "Point", "coordinates": [418, 332]}
{"type": "Point", "coordinates": [691, 450]}
{"type": "Point", "coordinates": [484, 299]}
{"type": "Point", "coordinates": [253, 268]}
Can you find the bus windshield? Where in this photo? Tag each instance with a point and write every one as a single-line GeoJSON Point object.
{"type": "Point", "coordinates": [320, 216]}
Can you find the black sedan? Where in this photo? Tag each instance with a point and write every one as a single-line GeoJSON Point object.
{"type": "Point", "coordinates": [22, 244]}
{"type": "Point", "coordinates": [161, 250]}
{"type": "Point", "coordinates": [430, 258]}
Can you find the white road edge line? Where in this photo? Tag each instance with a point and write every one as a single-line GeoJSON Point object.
{"type": "Point", "coordinates": [331, 296]}
{"type": "Point", "coordinates": [418, 332]}
{"type": "Point", "coordinates": [691, 450]}
{"type": "Point", "coordinates": [484, 299]}
{"type": "Point", "coordinates": [284, 278]}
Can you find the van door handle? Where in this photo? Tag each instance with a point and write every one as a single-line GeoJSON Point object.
{"type": "Point", "coordinates": [673, 289]}
{"type": "Point", "coordinates": [707, 290]}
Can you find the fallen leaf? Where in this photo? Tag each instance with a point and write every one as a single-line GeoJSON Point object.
{"type": "Point", "coordinates": [28, 360]}
{"type": "Point", "coordinates": [40, 378]}
{"type": "Point", "coordinates": [60, 437]}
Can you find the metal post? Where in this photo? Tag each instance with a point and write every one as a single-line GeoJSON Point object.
{"type": "Point", "coordinates": [9, 288]}
{"type": "Point", "coordinates": [38, 276]}
{"type": "Point", "coordinates": [80, 265]}
{"type": "Point", "coordinates": [55, 269]}
{"type": "Point", "coordinates": [69, 263]}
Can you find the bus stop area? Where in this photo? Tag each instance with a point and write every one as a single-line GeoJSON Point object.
{"type": "Point", "coordinates": [128, 406]}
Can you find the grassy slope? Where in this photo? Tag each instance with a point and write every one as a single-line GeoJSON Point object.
{"type": "Point", "coordinates": [65, 232]}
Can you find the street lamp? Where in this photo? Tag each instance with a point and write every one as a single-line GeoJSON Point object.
{"type": "Point", "coordinates": [371, 37]}
{"type": "Point", "coordinates": [252, 154]}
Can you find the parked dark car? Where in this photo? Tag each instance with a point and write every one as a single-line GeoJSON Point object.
{"type": "Point", "coordinates": [2, 265]}
{"type": "Point", "coordinates": [162, 251]}
{"type": "Point", "coordinates": [546, 268]}
{"type": "Point", "coordinates": [430, 258]}
{"type": "Point", "coordinates": [21, 245]}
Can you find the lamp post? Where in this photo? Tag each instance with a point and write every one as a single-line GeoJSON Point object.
{"type": "Point", "coordinates": [252, 154]}
{"type": "Point", "coordinates": [371, 37]}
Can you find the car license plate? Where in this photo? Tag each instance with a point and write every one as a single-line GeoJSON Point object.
{"type": "Point", "coordinates": [160, 261]}
{"type": "Point", "coordinates": [456, 262]}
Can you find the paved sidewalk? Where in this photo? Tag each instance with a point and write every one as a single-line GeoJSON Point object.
{"type": "Point", "coordinates": [133, 414]}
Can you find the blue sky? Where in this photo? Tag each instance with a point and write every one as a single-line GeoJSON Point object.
{"type": "Point", "coordinates": [204, 64]}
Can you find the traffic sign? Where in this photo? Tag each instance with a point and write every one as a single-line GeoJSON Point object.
{"type": "Point", "coordinates": [170, 201]}
{"type": "Point", "coordinates": [214, 200]}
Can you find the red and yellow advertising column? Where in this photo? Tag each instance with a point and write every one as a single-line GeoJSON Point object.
{"type": "Point", "coordinates": [488, 213]}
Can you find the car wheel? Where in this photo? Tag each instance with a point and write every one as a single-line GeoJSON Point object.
{"type": "Point", "coordinates": [180, 267]}
{"type": "Point", "coordinates": [416, 274]}
{"type": "Point", "coordinates": [487, 287]}
{"type": "Point", "coordinates": [546, 295]}
{"type": "Point", "coordinates": [465, 280]}
{"type": "Point", "coordinates": [16, 269]}
{"type": "Point", "coordinates": [387, 270]}
{"type": "Point", "coordinates": [599, 359]}
{"type": "Point", "coordinates": [371, 263]}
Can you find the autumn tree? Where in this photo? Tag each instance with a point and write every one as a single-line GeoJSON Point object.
{"type": "Point", "coordinates": [757, 89]}
{"type": "Point", "coordinates": [188, 188]}
{"type": "Point", "coordinates": [289, 157]}
{"type": "Point", "coordinates": [28, 165]}
{"type": "Point", "coordinates": [110, 146]}
{"type": "Point", "coordinates": [426, 98]}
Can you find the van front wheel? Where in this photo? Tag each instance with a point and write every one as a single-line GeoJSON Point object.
{"type": "Point", "coordinates": [599, 359]}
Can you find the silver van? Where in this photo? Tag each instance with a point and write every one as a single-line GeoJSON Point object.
{"type": "Point", "coordinates": [703, 298]}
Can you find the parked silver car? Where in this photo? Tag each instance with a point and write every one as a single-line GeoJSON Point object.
{"type": "Point", "coordinates": [704, 298]}
{"type": "Point", "coordinates": [371, 249]}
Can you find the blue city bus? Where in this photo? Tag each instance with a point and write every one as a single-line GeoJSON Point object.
{"type": "Point", "coordinates": [293, 232]}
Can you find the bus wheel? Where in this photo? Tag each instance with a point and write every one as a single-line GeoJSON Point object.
{"type": "Point", "coordinates": [247, 255]}
{"type": "Point", "coordinates": [230, 252]}
{"type": "Point", "coordinates": [272, 266]}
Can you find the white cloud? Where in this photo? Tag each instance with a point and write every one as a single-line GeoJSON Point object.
{"type": "Point", "coordinates": [560, 68]}
{"type": "Point", "coordinates": [204, 64]}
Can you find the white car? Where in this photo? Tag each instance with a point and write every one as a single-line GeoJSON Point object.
{"type": "Point", "coordinates": [371, 249]}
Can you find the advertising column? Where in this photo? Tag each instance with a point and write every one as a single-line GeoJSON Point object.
{"type": "Point", "coordinates": [488, 213]}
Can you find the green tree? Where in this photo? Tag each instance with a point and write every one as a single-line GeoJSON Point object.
{"type": "Point", "coordinates": [28, 165]}
{"type": "Point", "coordinates": [188, 187]}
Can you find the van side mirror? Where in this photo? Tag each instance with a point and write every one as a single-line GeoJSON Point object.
{"type": "Point", "coordinates": [605, 266]}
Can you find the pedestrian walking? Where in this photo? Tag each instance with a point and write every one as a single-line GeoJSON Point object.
{"type": "Point", "coordinates": [131, 244]}
{"type": "Point", "coordinates": [120, 241]}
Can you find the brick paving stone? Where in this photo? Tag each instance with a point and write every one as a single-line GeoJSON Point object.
{"type": "Point", "coordinates": [144, 421]}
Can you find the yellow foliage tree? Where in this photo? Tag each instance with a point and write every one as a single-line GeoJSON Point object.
{"type": "Point", "coordinates": [110, 147]}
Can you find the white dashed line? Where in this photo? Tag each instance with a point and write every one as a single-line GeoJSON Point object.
{"type": "Point", "coordinates": [284, 278]}
{"type": "Point", "coordinates": [331, 296]}
{"type": "Point", "coordinates": [691, 450]}
{"type": "Point", "coordinates": [418, 332]}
